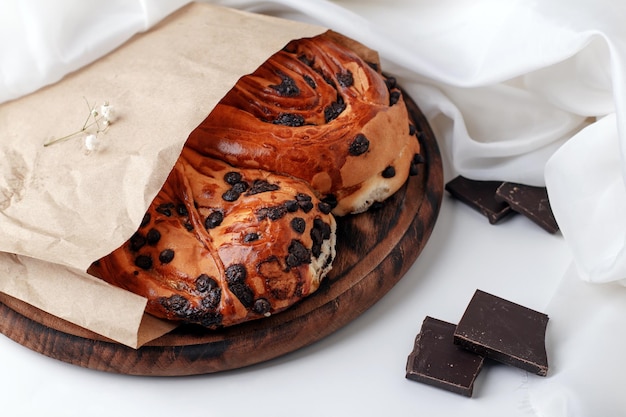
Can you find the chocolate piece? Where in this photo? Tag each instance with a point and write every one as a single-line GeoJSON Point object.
{"type": "Point", "coordinates": [504, 331]}
{"type": "Point", "coordinates": [480, 195]}
{"type": "Point", "coordinates": [530, 201]}
{"type": "Point", "coordinates": [437, 361]}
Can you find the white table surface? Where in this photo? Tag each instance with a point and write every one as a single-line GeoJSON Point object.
{"type": "Point", "coordinates": [357, 371]}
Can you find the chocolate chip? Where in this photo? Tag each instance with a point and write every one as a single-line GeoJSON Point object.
{"type": "Point", "coordinates": [298, 224]}
{"type": "Point", "coordinates": [212, 299]}
{"type": "Point", "coordinates": [412, 129]}
{"type": "Point", "coordinates": [236, 273]}
{"type": "Point", "coordinates": [360, 144]}
{"type": "Point", "coordinates": [235, 277]}
{"type": "Point", "coordinates": [165, 209]}
{"type": "Point", "coordinates": [391, 83]}
{"type": "Point", "coordinates": [166, 256]}
{"type": "Point", "coordinates": [324, 227]}
{"type": "Point", "coordinates": [394, 97]}
{"type": "Point", "coordinates": [324, 207]}
{"type": "Point", "coordinates": [251, 237]}
{"type": "Point", "coordinates": [272, 213]}
{"type": "Point", "coordinates": [328, 79]}
{"type": "Point", "coordinates": [137, 241]}
{"type": "Point", "coordinates": [145, 220]}
{"type": "Point", "coordinates": [345, 79]}
{"type": "Point", "coordinates": [205, 283]}
{"type": "Point", "coordinates": [231, 195]}
{"type": "Point", "coordinates": [334, 110]}
{"type": "Point", "coordinates": [291, 206]}
{"type": "Point", "coordinates": [177, 304]}
{"type": "Point", "coordinates": [261, 306]}
{"type": "Point", "coordinates": [214, 219]}
{"type": "Point", "coordinates": [389, 172]}
{"type": "Point", "coordinates": [153, 237]}
{"type": "Point", "coordinates": [417, 160]}
{"type": "Point", "coordinates": [316, 237]}
{"type": "Point", "coordinates": [289, 119]}
{"type": "Point", "coordinates": [261, 186]}
{"type": "Point", "coordinates": [240, 187]}
{"type": "Point", "coordinates": [143, 262]}
{"type": "Point", "coordinates": [310, 81]}
{"type": "Point", "coordinates": [373, 65]}
{"type": "Point", "coordinates": [305, 202]}
{"type": "Point", "coordinates": [287, 86]}
{"type": "Point", "coordinates": [188, 226]}
{"type": "Point", "coordinates": [331, 200]}
{"type": "Point", "coordinates": [208, 285]}
{"type": "Point", "coordinates": [298, 254]}
{"type": "Point", "coordinates": [181, 209]}
{"type": "Point", "coordinates": [232, 177]}
{"type": "Point", "coordinates": [275, 213]}
{"type": "Point", "coordinates": [306, 60]}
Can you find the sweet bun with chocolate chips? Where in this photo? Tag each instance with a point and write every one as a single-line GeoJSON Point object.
{"type": "Point", "coordinates": [244, 225]}
{"type": "Point", "coordinates": [319, 112]}
{"type": "Point", "coordinates": [221, 245]}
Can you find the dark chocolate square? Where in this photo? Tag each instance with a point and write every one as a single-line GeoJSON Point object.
{"type": "Point", "coordinates": [481, 196]}
{"type": "Point", "coordinates": [530, 201]}
{"type": "Point", "coordinates": [437, 361]}
{"type": "Point", "coordinates": [504, 331]}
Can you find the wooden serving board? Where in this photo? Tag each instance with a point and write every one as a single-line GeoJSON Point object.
{"type": "Point", "coordinates": [374, 250]}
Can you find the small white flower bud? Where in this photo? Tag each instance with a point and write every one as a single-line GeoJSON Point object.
{"type": "Point", "coordinates": [108, 112]}
{"type": "Point", "coordinates": [92, 143]}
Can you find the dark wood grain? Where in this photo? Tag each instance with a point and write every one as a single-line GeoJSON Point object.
{"type": "Point", "coordinates": [375, 249]}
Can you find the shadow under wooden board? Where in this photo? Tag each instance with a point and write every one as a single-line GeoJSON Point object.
{"type": "Point", "coordinates": [374, 251]}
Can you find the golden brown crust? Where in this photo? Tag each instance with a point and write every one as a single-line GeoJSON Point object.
{"type": "Point", "coordinates": [316, 111]}
{"type": "Point", "coordinates": [221, 245]}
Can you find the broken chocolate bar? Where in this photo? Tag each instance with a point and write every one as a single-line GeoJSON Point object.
{"type": "Point", "coordinates": [504, 331]}
{"type": "Point", "coordinates": [530, 201]}
{"type": "Point", "coordinates": [437, 361]}
{"type": "Point", "coordinates": [480, 195]}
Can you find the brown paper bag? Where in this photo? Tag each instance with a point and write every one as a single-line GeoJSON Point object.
{"type": "Point", "coordinates": [61, 209]}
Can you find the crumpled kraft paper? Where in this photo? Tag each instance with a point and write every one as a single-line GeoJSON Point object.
{"type": "Point", "coordinates": [61, 208]}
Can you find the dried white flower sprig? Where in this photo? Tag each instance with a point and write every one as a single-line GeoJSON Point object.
{"type": "Point", "coordinates": [98, 121]}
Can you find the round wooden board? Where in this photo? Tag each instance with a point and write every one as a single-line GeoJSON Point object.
{"type": "Point", "coordinates": [374, 251]}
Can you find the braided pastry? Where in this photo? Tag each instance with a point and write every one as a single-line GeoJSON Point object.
{"type": "Point", "coordinates": [244, 225]}
{"type": "Point", "coordinates": [317, 111]}
{"type": "Point", "coordinates": [219, 245]}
